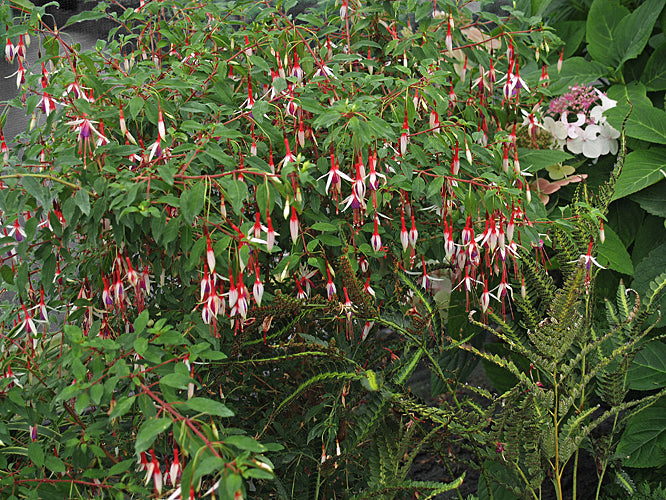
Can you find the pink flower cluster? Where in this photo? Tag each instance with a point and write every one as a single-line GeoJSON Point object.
{"type": "Point", "coordinates": [577, 100]}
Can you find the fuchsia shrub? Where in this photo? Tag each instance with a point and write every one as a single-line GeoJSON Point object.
{"type": "Point", "coordinates": [192, 187]}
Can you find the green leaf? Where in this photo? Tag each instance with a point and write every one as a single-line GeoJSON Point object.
{"type": "Point", "coordinates": [36, 454]}
{"type": "Point", "coordinates": [122, 406]}
{"type": "Point", "coordinates": [643, 443]}
{"type": "Point", "coordinates": [654, 74]}
{"type": "Point", "coordinates": [149, 432]}
{"type": "Point", "coordinates": [205, 405]}
{"type": "Point", "coordinates": [573, 33]}
{"type": "Point", "coordinates": [177, 380]}
{"type": "Point", "coordinates": [533, 160]}
{"type": "Point", "coordinates": [236, 193]}
{"type": "Point", "coordinates": [645, 121]}
{"type": "Point", "coordinates": [245, 443]}
{"type": "Point", "coordinates": [259, 109]}
{"type": "Point", "coordinates": [633, 31]}
{"type": "Point", "coordinates": [642, 168]}
{"type": "Point", "coordinates": [614, 255]}
{"type": "Point", "coordinates": [602, 20]}
{"type": "Point", "coordinates": [54, 464]}
{"type": "Point", "coordinates": [121, 467]}
{"type": "Point", "coordinates": [648, 370]}
{"type": "Point", "coordinates": [7, 274]}
{"type": "Point", "coordinates": [652, 199]}
{"type": "Point", "coordinates": [325, 226]}
{"type": "Point", "coordinates": [576, 71]}
{"type": "Point", "coordinates": [192, 201]}
{"type": "Point", "coordinates": [83, 201]}
{"type": "Point", "coordinates": [35, 189]}
{"type": "Point", "coordinates": [140, 322]}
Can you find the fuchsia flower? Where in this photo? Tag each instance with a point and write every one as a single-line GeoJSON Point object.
{"type": "Point", "coordinates": [210, 254]}
{"type": "Point", "coordinates": [404, 138]}
{"type": "Point", "coordinates": [270, 232]}
{"type": "Point", "coordinates": [334, 175]}
{"type": "Point", "coordinates": [293, 225]}
{"type": "Point", "coordinates": [413, 235]}
{"type": "Point", "coordinates": [375, 239]}
{"type": "Point", "coordinates": [485, 297]}
{"type": "Point", "coordinates": [9, 51]}
{"type": "Point", "coordinates": [455, 161]}
{"type": "Point", "coordinates": [344, 10]}
{"type": "Point", "coordinates": [155, 473]}
{"type": "Point", "coordinates": [20, 49]}
{"type": "Point", "coordinates": [27, 324]}
{"type": "Point", "coordinates": [404, 235]}
{"type": "Point", "coordinates": [4, 150]}
{"type": "Point", "coordinates": [107, 296]}
{"type": "Point", "coordinates": [449, 39]}
{"type": "Point", "coordinates": [258, 288]}
{"type": "Point", "coordinates": [176, 469]}
{"type": "Point", "coordinates": [297, 72]}
{"type": "Point", "coordinates": [47, 104]}
{"type": "Point", "coordinates": [330, 286]}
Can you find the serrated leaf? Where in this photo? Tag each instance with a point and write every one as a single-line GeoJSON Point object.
{"type": "Point", "coordinates": [652, 199]}
{"type": "Point", "coordinates": [54, 464]}
{"type": "Point", "coordinates": [642, 168]}
{"type": "Point", "coordinates": [205, 405]}
{"type": "Point", "coordinates": [576, 71]}
{"type": "Point", "coordinates": [648, 370]}
{"type": "Point", "coordinates": [643, 442]}
{"type": "Point", "coordinates": [602, 20]}
{"type": "Point", "coordinates": [654, 74]}
{"type": "Point", "coordinates": [633, 31]}
{"type": "Point", "coordinates": [149, 432]}
{"type": "Point", "coordinates": [36, 454]}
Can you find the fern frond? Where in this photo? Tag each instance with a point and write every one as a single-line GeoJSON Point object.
{"type": "Point", "coordinates": [657, 286]}
{"type": "Point", "coordinates": [537, 278]}
{"type": "Point", "coordinates": [514, 345]}
{"type": "Point", "coordinates": [502, 363]}
{"type": "Point", "coordinates": [426, 300]}
{"type": "Point", "coordinates": [322, 377]}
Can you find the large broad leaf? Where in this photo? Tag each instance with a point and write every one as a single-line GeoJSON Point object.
{"type": "Point", "coordinates": [645, 121]}
{"type": "Point", "coordinates": [632, 34]}
{"type": "Point", "coordinates": [646, 271]}
{"type": "Point", "coordinates": [575, 71]}
{"type": "Point", "coordinates": [653, 199]}
{"type": "Point", "coordinates": [643, 443]}
{"type": "Point", "coordinates": [654, 74]}
{"type": "Point", "coordinates": [642, 168]}
{"type": "Point", "coordinates": [602, 21]}
{"type": "Point", "coordinates": [572, 32]}
{"type": "Point", "coordinates": [614, 255]}
{"type": "Point", "coordinates": [648, 371]}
